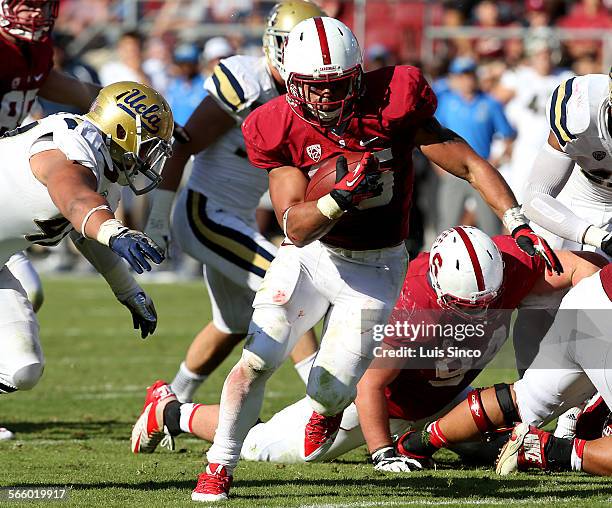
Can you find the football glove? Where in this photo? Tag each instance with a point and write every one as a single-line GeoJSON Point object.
{"type": "Point", "coordinates": [135, 247]}
{"type": "Point", "coordinates": [363, 183]}
{"type": "Point", "coordinates": [158, 223]}
{"type": "Point", "coordinates": [534, 245]}
{"type": "Point", "coordinates": [387, 459]}
{"type": "Point", "coordinates": [143, 312]}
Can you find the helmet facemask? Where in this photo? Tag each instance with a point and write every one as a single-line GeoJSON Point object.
{"type": "Point", "coordinates": [475, 307]}
{"type": "Point", "coordinates": [148, 159]}
{"type": "Point", "coordinates": [17, 20]}
{"type": "Point", "coordinates": [327, 100]}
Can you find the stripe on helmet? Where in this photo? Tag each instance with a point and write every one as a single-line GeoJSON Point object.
{"type": "Point", "coordinates": [323, 41]}
{"type": "Point", "coordinates": [473, 257]}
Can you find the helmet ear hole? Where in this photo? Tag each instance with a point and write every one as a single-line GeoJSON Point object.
{"type": "Point", "coordinates": [121, 132]}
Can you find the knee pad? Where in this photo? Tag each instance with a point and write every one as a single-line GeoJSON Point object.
{"type": "Point", "coordinates": [26, 377]}
{"type": "Point", "coordinates": [263, 359]}
{"type": "Point", "coordinates": [481, 419]}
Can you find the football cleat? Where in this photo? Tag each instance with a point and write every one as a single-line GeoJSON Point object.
{"type": "Point", "coordinates": [594, 421]}
{"type": "Point", "coordinates": [213, 484]}
{"type": "Point", "coordinates": [5, 434]}
{"type": "Point", "coordinates": [150, 430]}
{"type": "Point", "coordinates": [319, 435]}
{"type": "Point", "coordinates": [525, 449]}
{"type": "Point", "coordinates": [411, 445]}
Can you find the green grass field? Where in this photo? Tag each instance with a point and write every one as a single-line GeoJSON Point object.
{"type": "Point", "coordinates": [74, 427]}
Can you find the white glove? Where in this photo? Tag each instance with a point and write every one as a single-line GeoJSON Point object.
{"type": "Point", "coordinates": [386, 459]}
{"type": "Point", "coordinates": [158, 224]}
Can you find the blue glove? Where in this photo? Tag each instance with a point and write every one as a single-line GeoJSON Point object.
{"type": "Point", "coordinates": [143, 312]}
{"type": "Point", "coordinates": [135, 247]}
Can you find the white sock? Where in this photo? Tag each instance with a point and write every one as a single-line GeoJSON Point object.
{"type": "Point", "coordinates": [186, 383]}
{"type": "Point", "coordinates": [187, 412]}
{"type": "Point", "coordinates": [303, 367]}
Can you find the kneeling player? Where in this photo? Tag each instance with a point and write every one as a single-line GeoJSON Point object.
{"type": "Point", "coordinates": [571, 365]}
{"type": "Point", "coordinates": [391, 399]}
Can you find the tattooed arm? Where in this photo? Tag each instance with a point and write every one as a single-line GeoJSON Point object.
{"type": "Point", "coordinates": [451, 152]}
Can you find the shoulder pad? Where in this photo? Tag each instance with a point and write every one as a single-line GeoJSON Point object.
{"type": "Point", "coordinates": [571, 108]}
{"type": "Point", "coordinates": [234, 83]}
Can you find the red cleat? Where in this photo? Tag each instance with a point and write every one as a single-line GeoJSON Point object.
{"type": "Point", "coordinates": [319, 435]}
{"type": "Point", "coordinates": [213, 484]}
{"type": "Point", "coordinates": [150, 430]}
{"type": "Point", "coordinates": [524, 450]}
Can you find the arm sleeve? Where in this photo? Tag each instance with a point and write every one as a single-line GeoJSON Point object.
{"type": "Point", "coordinates": [107, 264]}
{"type": "Point", "coordinates": [549, 175]}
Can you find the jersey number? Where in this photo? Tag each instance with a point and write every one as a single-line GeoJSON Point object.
{"type": "Point", "coordinates": [51, 231]}
{"type": "Point", "coordinates": [14, 107]}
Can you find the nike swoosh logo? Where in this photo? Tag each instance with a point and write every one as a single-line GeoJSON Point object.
{"type": "Point", "coordinates": [368, 141]}
{"type": "Point", "coordinates": [38, 77]}
{"type": "Point", "coordinates": [350, 183]}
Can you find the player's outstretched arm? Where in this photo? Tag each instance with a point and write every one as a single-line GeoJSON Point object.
{"type": "Point", "coordinates": [73, 189]}
{"type": "Point", "coordinates": [448, 150]}
{"type": "Point", "coordinates": [121, 281]}
{"type": "Point", "coordinates": [576, 266]}
{"type": "Point", "coordinates": [63, 88]}
{"type": "Point", "coordinates": [207, 124]}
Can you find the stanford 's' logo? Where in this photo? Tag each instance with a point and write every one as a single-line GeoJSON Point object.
{"type": "Point", "coordinates": [131, 103]}
{"type": "Point", "coordinates": [314, 152]}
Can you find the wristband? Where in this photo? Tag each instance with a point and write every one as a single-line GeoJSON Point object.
{"type": "Point", "coordinates": [88, 216]}
{"type": "Point", "coordinates": [595, 236]}
{"type": "Point", "coordinates": [328, 207]}
{"type": "Point", "coordinates": [513, 218]}
{"type": "Point", "coordinates": [108, 229]}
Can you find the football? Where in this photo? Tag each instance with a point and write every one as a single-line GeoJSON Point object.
{"type": "Point", "coordinates": [324, 178]}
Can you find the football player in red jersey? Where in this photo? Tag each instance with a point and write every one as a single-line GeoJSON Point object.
{"type": "Point", "coordinates": [344, 257]}
{"type": "Point", "coordinates": [395, 395]}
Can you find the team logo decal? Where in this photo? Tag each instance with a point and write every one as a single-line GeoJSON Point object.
{"type": "Point", "coordinates": [132, 103]}
{"type": "Point", "coordinates": [314, 152]}
{"type": "Point", "coordinates": [598, 155]}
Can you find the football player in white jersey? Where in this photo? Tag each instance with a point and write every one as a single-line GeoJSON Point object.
{"type": "Point", "coordinates": [214, 215]}
{"type": "Point", "coordinates": [528, 88]}
{"type": "Point", "coordinates": [569, 190]}
{"type": "Point", "coordinates": [62, 175]}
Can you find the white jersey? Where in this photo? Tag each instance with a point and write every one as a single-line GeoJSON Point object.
{"type": "Point", "coordinates": [578, 113]}
{"type": "Point", "coordinates": [222, 172]}
{"type": "Point", "coordinates": [527, 114]}
{"type": "Point", "coordinates": [29, 216]}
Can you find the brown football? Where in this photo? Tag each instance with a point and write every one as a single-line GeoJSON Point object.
{"type": "Point", "coordinates": [322, 182]}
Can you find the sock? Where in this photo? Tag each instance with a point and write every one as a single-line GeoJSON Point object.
{"type": "Point", "coordinates": [303, 367]}
{"type": "Point", "coordinates": [558, 453]}
{"type": "Point", "coordinates": [187, 413]}
{"type": "Point", "coordinates": [172, 414]}
{"type": "Point", "coordinates": [435, 436]}
{"type": "Point", "coordinates": [186, 383]}
{"type": "Point", "coordinates": [577, 452]}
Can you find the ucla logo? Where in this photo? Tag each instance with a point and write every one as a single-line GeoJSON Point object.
{"type": "Point", "coordinates": [132, 103]}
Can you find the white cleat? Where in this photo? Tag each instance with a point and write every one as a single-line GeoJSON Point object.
{"type": "Point", "coordinates": [6, 434]}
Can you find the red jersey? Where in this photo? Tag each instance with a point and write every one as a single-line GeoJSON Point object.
{"type": "Point", "coordinates": [396, 102]}
{"type": "Point", "coordinates": [421, 392]}
{"type": "Point", "coordinates": [25, 68]}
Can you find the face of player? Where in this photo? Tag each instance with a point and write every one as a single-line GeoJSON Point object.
{"type": "Point", "coordinates": [28, 19]}
{"type": "Point", "coordinates": [542, 62]}
{"type": "Point", "coordinates": [326, 99]}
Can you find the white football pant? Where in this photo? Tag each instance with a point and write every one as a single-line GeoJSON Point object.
{"type": "Point", "coordinates": [21, 357]}
{"type": "Point", "coordinates": [23, 270]}
{"type": "Point", "coordinates": [234, 254]}
{"type": "Point", "coordinates": [574, 359]}
{"type": "Point", "coordinates": [353, 290]}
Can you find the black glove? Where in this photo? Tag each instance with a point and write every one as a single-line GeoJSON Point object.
{"type": "Point", "coordinates": [143, 312]}
{"type": "Point", "coordinates": [135, 247]}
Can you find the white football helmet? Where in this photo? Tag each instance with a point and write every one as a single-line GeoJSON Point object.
{"type": "Point", "coordinates": [466, 270]}
{"type": "Point", "coordinates": [29, 20]}
{"type": "Point", "coordinates": [322, 71]}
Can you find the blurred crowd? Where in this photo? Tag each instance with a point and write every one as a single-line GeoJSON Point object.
{"type": "Point", "coordinates": [492, 87]}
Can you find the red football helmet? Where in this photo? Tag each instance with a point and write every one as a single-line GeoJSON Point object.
{"type": "Point", "coordinates": [29, 20]}
{"type": "Point", "coordinates": [322, 69]}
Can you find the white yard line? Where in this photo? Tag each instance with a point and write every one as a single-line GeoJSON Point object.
{"type": "Point", "coordinates": [461, 502]}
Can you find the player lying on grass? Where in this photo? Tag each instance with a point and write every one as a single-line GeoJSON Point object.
{"type": "Point", "coordinates": [61, 175]}
{"type": "Point", "coordinates": [392, 397]}
{"type": "Point", "coordinates": [572, 363]}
